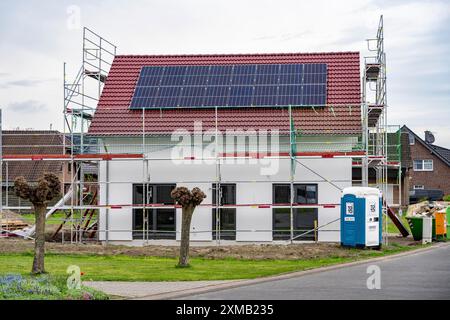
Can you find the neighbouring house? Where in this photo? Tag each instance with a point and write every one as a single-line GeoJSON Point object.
{"type": "Point", "coordinates": [133, 117]}
{"type": "Point", "coordinates": [34, 143]}
{"type": "Point", "coordinates": [429, 176]}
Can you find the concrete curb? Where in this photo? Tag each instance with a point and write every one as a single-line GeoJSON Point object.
{"type": "Point", "coordinates": [284, 276]}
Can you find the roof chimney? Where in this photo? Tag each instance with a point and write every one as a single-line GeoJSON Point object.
{"type": "Point", "coordinates": [429, 137]}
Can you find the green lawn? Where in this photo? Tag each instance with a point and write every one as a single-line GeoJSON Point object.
{"type": "Point", "coordinates": [393, 229]}
{"type": "Point", "coordinates": [56, 218]}
{"type": "Point", "coordinates": [141, 268]}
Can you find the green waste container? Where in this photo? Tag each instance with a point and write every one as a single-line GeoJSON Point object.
{"type": "Point", "coordinates": [416, 225]}
{"type": "Point", "coordinates": [448, 222]}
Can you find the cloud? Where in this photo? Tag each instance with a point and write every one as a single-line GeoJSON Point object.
{"type": "Point", "coordinates": [417, 43]}
{"type": "Point", "coordinates": [24, 83]}
{"type": "Point", "coordinates": [28, 106]}
{"type": "Point", "coordinates": [281, 37]}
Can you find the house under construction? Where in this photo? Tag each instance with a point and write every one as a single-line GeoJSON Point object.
{"type": "Point", "coordinates": [272, 139]}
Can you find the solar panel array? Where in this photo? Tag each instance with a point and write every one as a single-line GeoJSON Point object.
{"type": "Point", "coordinates": [241, 85]}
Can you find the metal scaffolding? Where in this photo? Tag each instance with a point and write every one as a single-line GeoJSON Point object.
{"type": "Point", "coordinates": [382, 140]}
{"type": "Point", "coordinates": [80, 102]}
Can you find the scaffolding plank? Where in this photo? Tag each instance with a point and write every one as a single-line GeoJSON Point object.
{"type": "Point", "coordinates": [68, 157]}
{"type": "Point", "coordinates": [85, 157]}
{"type": "Point", "coordinates": [372, 71]}
{"type": "Point", "coordinates": [397, 222]}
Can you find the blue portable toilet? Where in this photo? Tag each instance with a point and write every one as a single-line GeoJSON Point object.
{"type": "Point", "coordinates": [361, 217]}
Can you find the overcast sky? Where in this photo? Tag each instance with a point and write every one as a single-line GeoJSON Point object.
{"type": "Point", "coordinates": [36, 37]}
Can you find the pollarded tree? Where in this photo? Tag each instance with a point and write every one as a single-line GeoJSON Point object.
{"type": "Point", "coordinates": [188, 200]}
{"type": "Point", "coordinates": [47, 188]}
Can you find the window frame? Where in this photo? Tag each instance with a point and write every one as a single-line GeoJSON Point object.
{"type": "Point", "coordinates": [312, 208]}
{"type": "Point", "coordinates": [296, 187]}
{"type": "Point", "coordinates": [418, 187]}
{"type": "Point", "coordinates": [422, 164]}
{"type": "Point", "coordinates": [224, 235]}
{"type": "Point", "coordinates": [139, 234]}
{"type": "Point", "coordinates": [285, 234]}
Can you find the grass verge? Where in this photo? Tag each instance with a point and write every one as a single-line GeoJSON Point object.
{"type": "Point", "coordinates": [148, 268]}
{"type": "Point", "coordinates": [392, 229]}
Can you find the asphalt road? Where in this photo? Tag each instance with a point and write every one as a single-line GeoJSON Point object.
{"type": "Point", "coordinates": [422, 275]}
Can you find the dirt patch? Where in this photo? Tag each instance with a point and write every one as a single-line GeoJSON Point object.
{"type": "Point", "coordinates": [399, 240]}
{"type": "Point", "coordinates": [10, 221]}
{"type": "Point", "coordinates": [10, 215]}
{"type": "Point", "coordinates": [251, 251]}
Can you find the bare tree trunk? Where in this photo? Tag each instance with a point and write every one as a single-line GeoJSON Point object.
{"type": "Point", "coordinates": [185, 235]}
{"type": "Point", "coordinates": [39, 242]}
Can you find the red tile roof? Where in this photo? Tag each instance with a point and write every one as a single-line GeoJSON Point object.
{"type": "Point", "coordinates": [32, 142]}
{"type": "Point", "coordinates": [113, 116]}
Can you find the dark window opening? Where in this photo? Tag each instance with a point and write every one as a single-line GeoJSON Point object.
{"type": "Point", "coordinates": [303, 218]}
{"type": "Point", "coordinates": [226, 217]}
{"type": "Point", "coordinates": [303, 194]}
{"type": "Point", "coordinates": [151, 223]}
{"type": "Point", "coordinates": [303, 221]}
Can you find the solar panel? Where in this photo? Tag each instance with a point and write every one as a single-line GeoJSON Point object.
{"type": "Point", "coordinates": [241, 85]}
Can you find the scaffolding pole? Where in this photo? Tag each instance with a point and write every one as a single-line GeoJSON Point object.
{"type": "Point", "coordinates": [291, 174]}
{"type": "Point", "coordinates": [1, 170]}
{"type": "Point", "coordinates": [376, 121]}
{"type": "Point", "coordinates": [217, 190]}
{"type": "Point", "coordinates": [79, 105]}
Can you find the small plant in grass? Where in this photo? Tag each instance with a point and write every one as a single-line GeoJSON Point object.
{"type": "Point", "coordinates": [188, 200]}
{"type": "Point", "coordinates": [17, 287]}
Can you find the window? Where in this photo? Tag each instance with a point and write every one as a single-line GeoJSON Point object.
{"type": "Point", "coordinates": [423, 165]}
{"type": "Point", "coordinates": [153, 223]}
{"type": "Point", "coordinates": [303, 218]}
{"type": "Point", "coordinates": [428, 165]}
{"type": "Point", "coordinates": [303, 193]}
{"type": "Point", "coordinates": [303, 221]}
{"type": "Point", "coordinates": [412, 140]}
{"type": "Point", "coordinates": [225, 216]}
{"type": "Point", "coordinates": [281, 194]}
{"type": "Point", "coordinates": [419, 187]}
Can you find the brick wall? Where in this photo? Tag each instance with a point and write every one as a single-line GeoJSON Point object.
{"type": "Point", "coordinates": [439, 178]}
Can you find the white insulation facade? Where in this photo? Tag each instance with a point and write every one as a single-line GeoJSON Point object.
{"type": "Point", "coordinates": [254, 186]}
